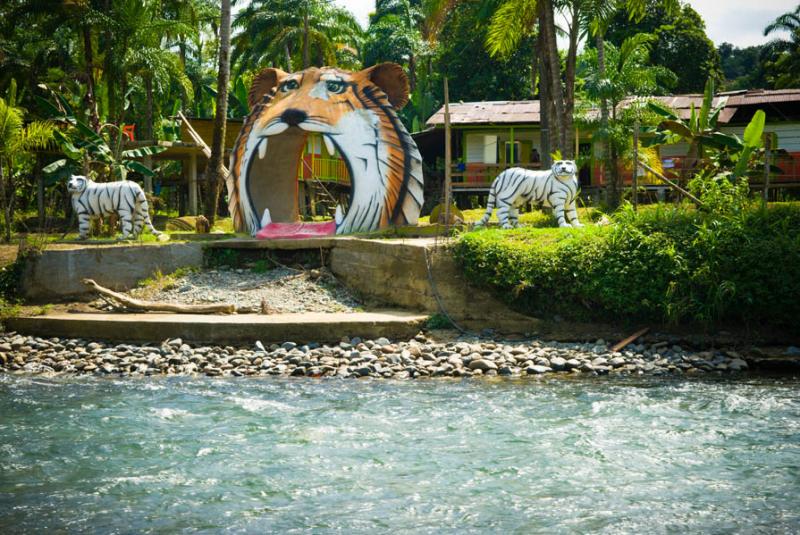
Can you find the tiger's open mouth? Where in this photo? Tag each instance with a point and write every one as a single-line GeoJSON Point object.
{"type": "Point", "coordinates": [271, 167]}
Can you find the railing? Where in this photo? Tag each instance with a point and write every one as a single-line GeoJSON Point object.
{"type": "Point", "coordinates": [480, 175]}
{"type": "Point", "coordinates": [323, 169]}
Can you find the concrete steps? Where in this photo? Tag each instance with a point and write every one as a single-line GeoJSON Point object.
{"type": "Point", "coordinates": [218, 329]}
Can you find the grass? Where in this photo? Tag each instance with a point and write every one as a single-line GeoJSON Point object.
{"type": "Point", "coordinates": [534, 218]}
{"type": "Point", "coordinates": [159, 282]}
{"type": "Point", "coordinates": [664, 263]}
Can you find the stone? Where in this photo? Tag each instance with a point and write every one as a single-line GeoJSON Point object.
{"type": "Point", "coordinates": [260, 347]}
{"type": "Point", "coordinates": [382, 341]}
{"type": "Point", "coordinates": [558, 363]}
{"type": "Point", "coordinates": [738, 365]}
{"type": "Point", "coordinates": [482, 365]}
{"type": "Point", "coordinates": [537, 369]}
{"type": "Point", "coordinates": [617, 362]}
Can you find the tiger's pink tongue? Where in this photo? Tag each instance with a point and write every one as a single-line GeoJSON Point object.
{"type": "Point", "coordinates": [296, 231]}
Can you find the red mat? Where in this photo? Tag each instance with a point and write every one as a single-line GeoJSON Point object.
{"type": "Point", "coordinates": [294, 231]}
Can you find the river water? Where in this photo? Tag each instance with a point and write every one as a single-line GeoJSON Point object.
{"type": "Point", "coordinates": [609, 455]}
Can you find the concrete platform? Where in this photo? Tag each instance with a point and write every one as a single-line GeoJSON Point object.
{"type": "Point", "coordinates": [245, 328]}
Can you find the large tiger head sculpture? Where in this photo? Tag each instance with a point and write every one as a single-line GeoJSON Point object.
{"type": "Point", "coordinates": [355, 114]}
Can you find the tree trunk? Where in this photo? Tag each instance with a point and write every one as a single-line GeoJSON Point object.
{"type": "Point", "coordinates": [548, 29]}
{"type": "Point", "coordinates": [90, 98]}
{"type": "Point", "coordinates": [214, 172]}
{"type": "Point", "coordinates": [534, 67]}
{"type": "Point", "coordinates": [288, 57]}
{"type": "Point", "coordinates": [39, 191]}
{"type": "Point", "coordinates": [306, 51]}
{"type": "Point", "coordinates": [544, 111]}
{"type": "Point", "coordinates": [148, 133]}
{"type": "Point", "coordinates": [552, 61]}
{"type": "Point", "coordinates": [614, 196]}
{"type": "Point", "coordinates": [601, 71]}
{"type": "Point", "coordinates": [569, 82]}
{"type": "Point", "coordinates": [412, 73]}
{"type": "Point", "coordinates": [5, 203]}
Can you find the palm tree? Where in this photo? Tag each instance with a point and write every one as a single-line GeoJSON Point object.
{"type": "Point", "coordinates": [281, 32]}
{"type": "Point", "coordinates": [214, 171]}
{"type": "Point", "coordinates": [16, 139]}
{"type": "Point", "coordinates": [626, 72]}
{"type": "Point", "coordinates": [783, 55]}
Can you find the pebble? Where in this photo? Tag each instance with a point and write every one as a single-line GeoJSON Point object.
{"type": "Point", "coordinates": [353, 358]}
{"type": "Point", "coordinates": [283, 290]}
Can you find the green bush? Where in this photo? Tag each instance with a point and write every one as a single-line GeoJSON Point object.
{"type": "Point", "coordinates": [663, 263]}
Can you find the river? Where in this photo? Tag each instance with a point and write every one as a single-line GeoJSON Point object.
{"type": "Point", "coordinates": [608, 455]}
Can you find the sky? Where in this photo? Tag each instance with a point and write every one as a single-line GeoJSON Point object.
{"type": "Point", "coordinates": [740, 22]}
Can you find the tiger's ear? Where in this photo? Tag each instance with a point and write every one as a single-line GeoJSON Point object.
{"type": "Point", "coordinates": [392, 79]}
{"type": "Point", "coordinates": [263, 83]}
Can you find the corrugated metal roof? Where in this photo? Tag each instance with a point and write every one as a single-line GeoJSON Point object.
{"type": "Point", "coordinates": [499, 111]}
{"type": "Point", "coordinates": [527, 111]}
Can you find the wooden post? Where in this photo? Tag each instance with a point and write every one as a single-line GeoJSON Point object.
{"type": "Point", "coordinates": [448, 157]}
{"type": "Point", "coordinates": [767, 162]}
{"type": "Point", "coordinates": [513, 146]}
{"type": "Point", "coordinates": [148, 180]}
{"type": "Point", "coordinates": [193, 184]}
{"type": "Point", "coordinates": [635, 178]}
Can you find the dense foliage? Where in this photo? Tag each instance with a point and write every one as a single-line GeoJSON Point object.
{"type": "Point", "coordinates": [681, 44]}
{"type": "Point", "coordinates": [667, 264]}
{"type": "Point", "coordinates": [742, 67]}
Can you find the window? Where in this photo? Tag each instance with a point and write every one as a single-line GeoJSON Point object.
{"type": "Point", "coordinates": [314, 144]}
{"type": "Point", "coordinates": [489, 149]}
{"type": "Point", "coordinates": [512, 152]}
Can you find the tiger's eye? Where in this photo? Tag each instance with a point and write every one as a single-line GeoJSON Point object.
{"type": "Point", "coordinates": [289, 85]}
{"type": "Point", "coordinates": [335, 86]}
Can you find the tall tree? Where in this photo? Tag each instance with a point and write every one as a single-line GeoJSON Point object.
{"type": "Point", "coordinates": [472, 72]}
{"type": "Point", "coordinates": [627, 72]}
{"type": "Point", "coordinates": [215, 175]}
{"type": "Point", "coordinates": [16, 139]}
{"type": "Point", "coordinates": [294, 34]}
{"type": "Point", "coordinates": [742, 67]}
{"type": "Point", "coordinates": [682, 45]}
{"type": "Point", "coordinates": [782, 55]}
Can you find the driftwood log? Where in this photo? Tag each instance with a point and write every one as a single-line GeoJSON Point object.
{"type": "Point", "coordinates": [156, 306]}
{"type": "Point", "coordinates": [623, 343]}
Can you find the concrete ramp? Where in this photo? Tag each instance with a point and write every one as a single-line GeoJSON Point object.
{"type": "Point", "coordinates": [235, 329]}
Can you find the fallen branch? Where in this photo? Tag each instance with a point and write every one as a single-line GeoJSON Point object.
{"type": "Point", "coordinates": [630, 339]}
{"type": "Point", "coordinates": [156, 306]}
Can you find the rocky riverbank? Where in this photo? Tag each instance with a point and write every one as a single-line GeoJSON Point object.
{"type": "Point", "coordinates": [381, 358]}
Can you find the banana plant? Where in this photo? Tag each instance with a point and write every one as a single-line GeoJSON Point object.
{"type": "Point", "coordinates": [752, 141]}
{"type": "Point", "coordinates": [700, 131]}
{"type": "Point", "coordinates": [86, 149]}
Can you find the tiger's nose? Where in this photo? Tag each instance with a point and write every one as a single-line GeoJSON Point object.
{"type": "Point", "coordinates": [293, 117]}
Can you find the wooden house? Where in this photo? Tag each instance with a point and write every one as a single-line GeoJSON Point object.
{"type": "Point", "coordinates": [488, 137]}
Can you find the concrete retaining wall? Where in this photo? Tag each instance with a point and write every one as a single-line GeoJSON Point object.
{"type": "Point", "coordinates": [57, 273]}
{"type": "Point", "coordinates": [395, 271]}
{"type": "Point", "coordinates": [391, 271]}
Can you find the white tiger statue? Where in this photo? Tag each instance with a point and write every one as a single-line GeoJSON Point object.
{"type": "Point", "coordinates": [515, 187]}
{"type": "Point", "coordinates": [124, 198]}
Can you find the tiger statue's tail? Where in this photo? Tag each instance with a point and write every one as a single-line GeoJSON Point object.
{"type": "Point", "coordinates": [490, 204]}
{"type": "Point", "coordinates": [143, 215]}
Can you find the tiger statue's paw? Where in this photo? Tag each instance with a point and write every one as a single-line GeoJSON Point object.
{"type": "Point", "coordinates": [162, 237]}
{"type": "Point", "coordinates": [507, 226]}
